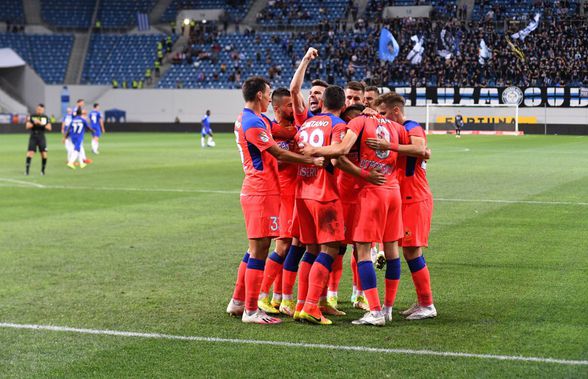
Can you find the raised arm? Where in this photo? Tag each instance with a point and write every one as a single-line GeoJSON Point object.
{"type": "Point", "coordinates": [298, 80]}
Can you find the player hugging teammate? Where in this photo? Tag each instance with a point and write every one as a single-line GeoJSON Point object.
{"type": "Point", "coordinates": [355, 177]}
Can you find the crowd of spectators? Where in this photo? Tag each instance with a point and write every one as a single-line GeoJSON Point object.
{"type": "Point", "coordinates": [555, 54]}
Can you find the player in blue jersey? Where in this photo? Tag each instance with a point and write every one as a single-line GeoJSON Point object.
{"type": "Point", "coordinates": [76, 132]}
{"type": "Point", "coordinates": [97, 123]}
{"type": "Point", "coordinates": [206, 131]}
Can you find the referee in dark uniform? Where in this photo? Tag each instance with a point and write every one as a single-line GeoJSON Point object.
{"type": "Point", "coordinates": [458, 125]}
{"type": "Point", "coordinates": [37, 123]}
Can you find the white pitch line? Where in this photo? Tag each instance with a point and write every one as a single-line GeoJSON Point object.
{"type": "Point", "coordinates": [22, 182]}
{"type": "Point", "coordinates": [180, 190]}
{"type": "Point", "coordinates": [365, 349]}
{"type": "Point", "coordinates": [513, 201]}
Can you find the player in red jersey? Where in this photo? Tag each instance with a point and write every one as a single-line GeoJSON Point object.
{"type": "Point", "coordinates": [348, 191]}
{"type": "Point", "coordinates": [417, 206]}
{"type": "Point", "coordinates": [354, 93]}
{"type": "Point", "coordinates": [303, 111]}
{"type": "Point", "coordinates": [378, 210]}
{"type": "Point", "coordinates": [283, 132]}
{"type": "Point", "coordinates": [260, 196]}
{"type": "Point", "coordinates": [318, 209]}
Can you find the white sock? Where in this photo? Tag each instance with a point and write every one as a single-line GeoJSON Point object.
{"type": "Point", "coordinates": [82, 153]}
{"type": "Point", "coordinates": [202, 142]}
{"type": "Point", "coordinates": [262, 295]}
{"type": "Point", "coordinates": [287, 297]}
{"type": "Point", "coordinates": [94, 146]}
{"type": "Point", "coordinates": [73, 156]}
{"type": "Point", "coordinates": [209, 140]}
{"type": "Point", "coordinates": [354, 290]}
{"type": "Point", "coordinates": [331, 293]}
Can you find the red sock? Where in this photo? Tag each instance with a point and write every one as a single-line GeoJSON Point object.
{"type": "Point", "coordinates": [288, 281]}
{"type": "Point", "coordinates": [303, 273]}
{"type": "Point", "coordinates": [239, 293]}
{"type": "Point", "coordinates": [354, 272]}
{"type": "Point", "coordinates": [317, 282]}
{"type": "Point", "coordinates": [336, 274]}
{"type": "Point", "coordinates": [373, 299]}
{"type": "Point", "coordinates": [253, 279]}
{"type": "Point", "coordinates": [273, 265]}
{"type": "Point", "coordinates": [278, 283]}
{"type": "Point", "coordinates": [391, 289]}
{"type": "Point", "coordinates": [422, 283]}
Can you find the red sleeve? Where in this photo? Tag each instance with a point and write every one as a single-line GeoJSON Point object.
{"type": "Point", "coordinates": [338, 133]}
{"type": "Point", "coordinates": [299, 118]}
{"type": "Point", "coordinates": [260, 138]}
{"type": "Point", "coordinates": [356, 125]}
{"type": "Point", "coordinates": [417, 132]}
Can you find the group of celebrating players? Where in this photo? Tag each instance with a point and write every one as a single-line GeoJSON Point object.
{"type": "Point", "coordinates": [346, 168]}
{"type": "Point", "coordinates": [73, 127]}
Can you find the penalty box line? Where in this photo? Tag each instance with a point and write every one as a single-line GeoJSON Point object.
{"type": "Point", "coordinates": [366, 349]}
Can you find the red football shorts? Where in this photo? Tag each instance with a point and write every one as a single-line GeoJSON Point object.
{"type": "Point", "coordinates": [378, 215]}
{"type": "Point", "coordinates": [320, 221]}
{"type": "Point", "coordinates": [416, 218]}
{"type": "Point", "coordinates": [261, 214]}
{"type": "Point", "coordinates": [286, 215]}
{"type": "Point", "coordinates": [349, 220]}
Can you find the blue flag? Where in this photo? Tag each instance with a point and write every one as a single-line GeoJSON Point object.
{"type": "Point", "coordinates": [385, 39]}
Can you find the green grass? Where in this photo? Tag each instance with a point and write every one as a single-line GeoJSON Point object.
{"type": "Point", "coordinates": [118, 246]}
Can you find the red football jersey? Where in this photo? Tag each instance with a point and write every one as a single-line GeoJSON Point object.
{"type": "Point", "coordinates": [383, 160]}
{"type": "Point", "coordinates": [317, 183]}
{"type": "Point", "coordinates": [253, 135]}
{"type": "Point", "coordinates": [347, 184]}
{"type": "Point", "coordinates": [412, 172]}
{"type": "Point", "coordinates": [299, 118]}
{"type": "Point", "coordinates": [288, 172]}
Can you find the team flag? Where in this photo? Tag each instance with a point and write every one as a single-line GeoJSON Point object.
{"type": "Point", "coordinates": [484, 53]}
{"type": "Point", "coordinates": [386, 38]}
{"type": "Point", "coordinates": [415, 56]}
{"type": "Point", "coordinates": [522, 34]}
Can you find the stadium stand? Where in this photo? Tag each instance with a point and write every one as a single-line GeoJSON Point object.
{"type": "Point", "coordinates": [301, 13]}
{"type": "Point", "coordinates": [442, 9]}
{"type": "Point", "coordinates": [120, 57]}
{"type": "Point", "coordinates": [12, 11]}
{"type": "Point", "coordinates": [68, 14]}
{"type": "Point", "coordinates": [236, 9]}
{"type": "Point", "coordinates": [506, 9]}
{"type": "Point", "coordinates": [47, 54]}
{"type": "Point", "coordinates": [122, 14]}
{"type": "Point", "coordinates": [226, 60]}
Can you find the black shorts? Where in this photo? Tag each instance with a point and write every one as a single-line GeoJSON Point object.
{"type": "Point", "coordinates": [37, 141]}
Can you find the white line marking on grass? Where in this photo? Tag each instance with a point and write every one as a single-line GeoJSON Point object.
{"type": "Point", "coordinates": [295, 344]}
{"type": "Point", "coordinates": [232, 192]}
{"type": "Point", "coordinates": [498, 201]}
{"type": "Point", "coordinates": [22, 182]}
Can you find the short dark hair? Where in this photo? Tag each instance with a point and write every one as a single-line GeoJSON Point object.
{"type": "Point", "coordinates": [333, 98]}
{"type": "Point", "coordinates": [352, 108]}
{"type": "Point", "coordinates": [78, 100]}
{"type": "Point", "coordinates": [41, 105]}
{"type": "Point", "coordinates": [320, 83]}
{"type": "Point", "coordinates": [390, 99]}
{"type": "Point", "coordinates": [96, 104]}
{"type": "Point", "coordinates": [356, 86]}
{"type": "Point", "coordinates": [252, 86]}
{"type": "Point", "coordinates": [279, 93]}
{"type": "Point", "coordinates": [372, 89]}
{"type": "Point", "coordinates": [79, 111]}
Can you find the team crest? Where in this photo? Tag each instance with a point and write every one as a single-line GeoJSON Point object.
{"type": "Point", "coordinates": [263, 137]}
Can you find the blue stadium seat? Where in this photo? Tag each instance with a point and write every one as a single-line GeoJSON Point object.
{"type": "Point", "coordinates": [122, 14]}
{"type": "Point", "coordinates": [12, 11]}
{"type": "Point", "coordinates": [47, 54]}
{"type": "Point", "coordinates": [236, 9]}
{"type": "Point", "coordinates": [68, 14]}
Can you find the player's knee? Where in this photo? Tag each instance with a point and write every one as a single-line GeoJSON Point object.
{"type": "Point", "coordinates": [411, 252]}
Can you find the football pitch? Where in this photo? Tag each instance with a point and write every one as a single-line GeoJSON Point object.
{"type": "Point", "coordinates": [132, 261]}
